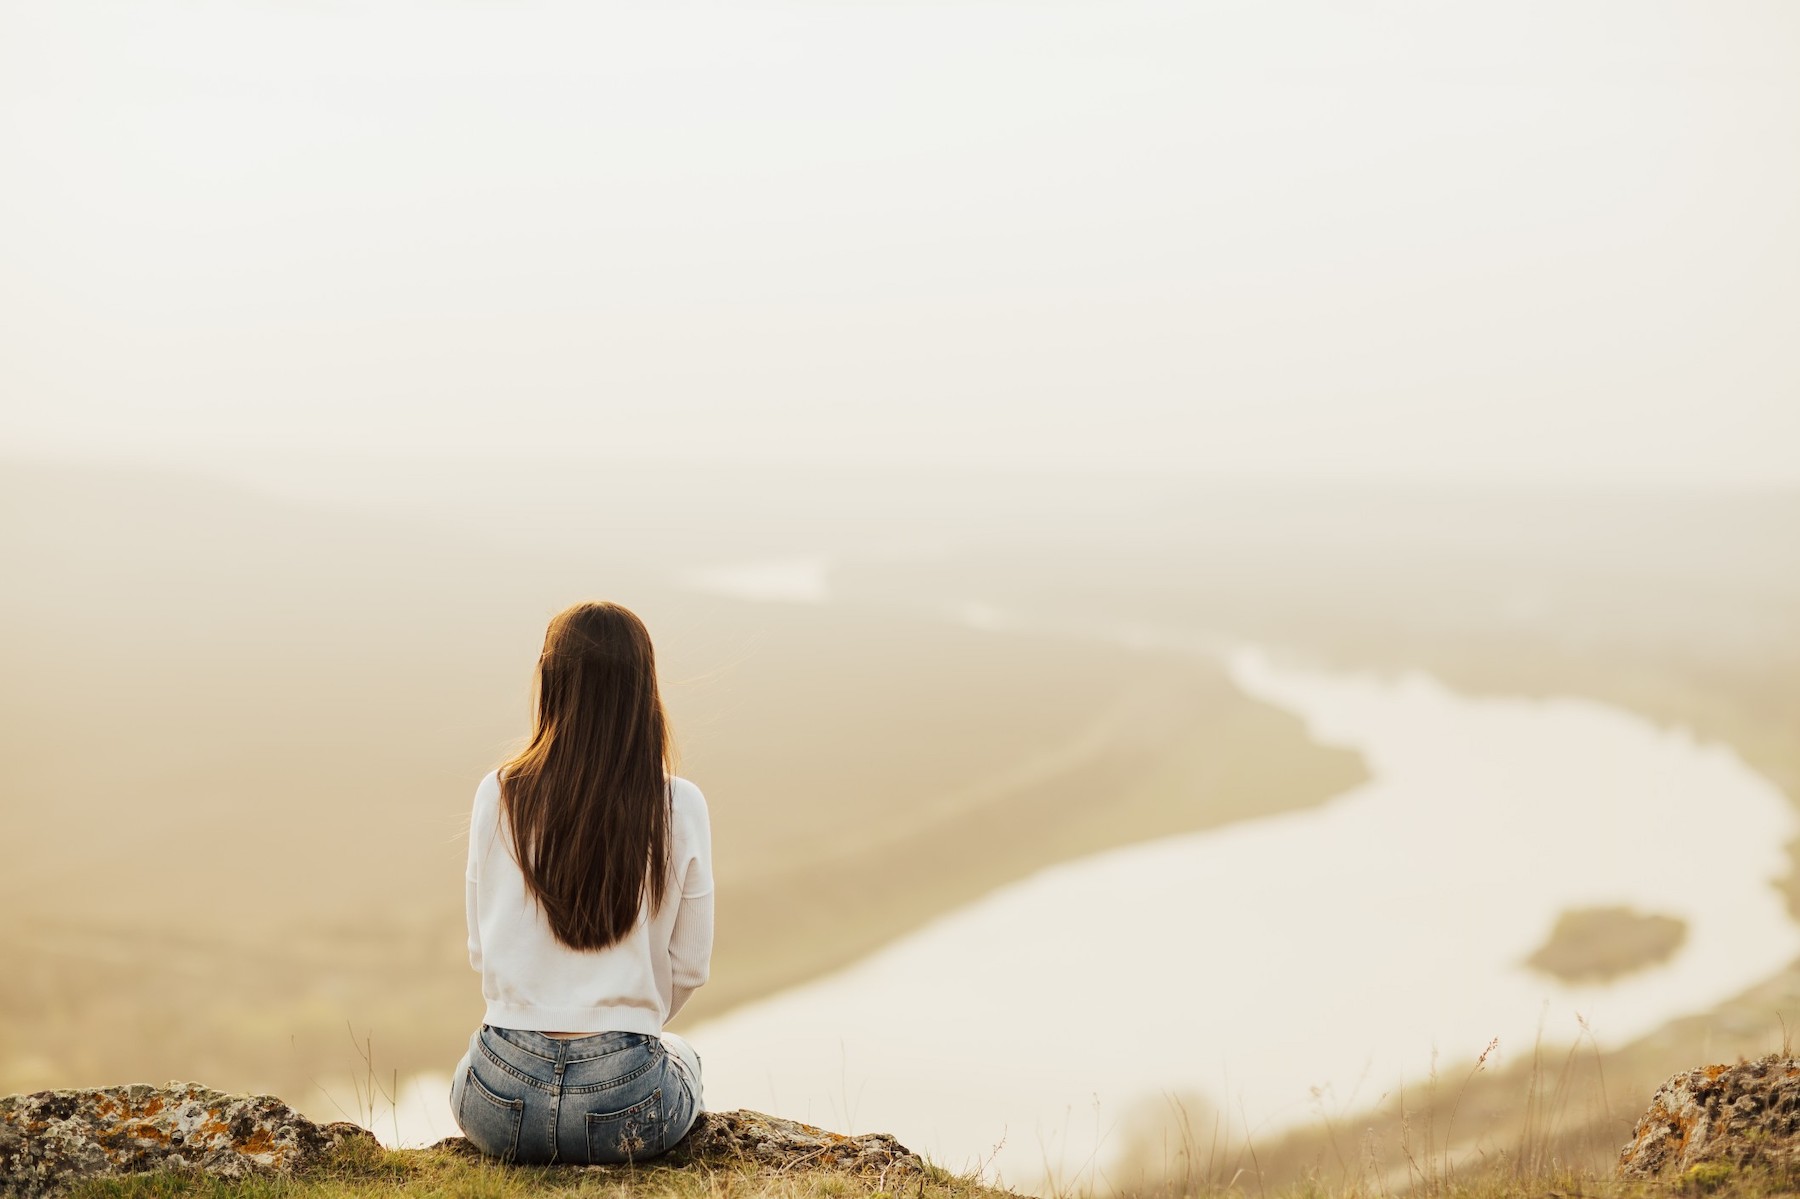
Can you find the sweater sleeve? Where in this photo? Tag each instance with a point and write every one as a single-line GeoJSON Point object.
{"type": "Point", "coordinates": [690, 944]}
{"type": "Point", "coordinates": [474, 925]}
{"type": "Point", "coordinates": [471, 875]}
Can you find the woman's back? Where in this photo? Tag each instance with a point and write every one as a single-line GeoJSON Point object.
{"type": "Point", "coordinates": [589, 899]}
{"type": "Point", "coordinates": [530, 980]}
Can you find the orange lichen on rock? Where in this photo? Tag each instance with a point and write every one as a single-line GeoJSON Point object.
{"type": "Point", "coordinates": [258, 1144]}
{"type": "Point", "coordinates": [1736, 1115]}
{"type": "Point", "coordinates": [50, 1139]}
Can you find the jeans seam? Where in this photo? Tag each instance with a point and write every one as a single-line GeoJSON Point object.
{"type": "Point", "coordinates": [556, 1122]}
{"type": "Point", "coordinates": [594, 1057]}
{"type": "Point", "coordinates": [609, 1084]}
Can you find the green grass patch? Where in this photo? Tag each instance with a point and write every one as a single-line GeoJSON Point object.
{"type": "Point", "coordinates": [366, 1171]}
{"type": "Point", "coordinates": [369, 1172]}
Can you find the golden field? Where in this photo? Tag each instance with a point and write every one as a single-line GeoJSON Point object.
{"type": "Point", "coordinates": [244, 729]}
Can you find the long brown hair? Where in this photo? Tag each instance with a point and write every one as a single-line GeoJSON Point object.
{"type": "Point", "coordinates": [587, 798]}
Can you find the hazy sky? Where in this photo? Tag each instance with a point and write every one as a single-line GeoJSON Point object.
{"type": "Point", "coordinates": [1511, 240]}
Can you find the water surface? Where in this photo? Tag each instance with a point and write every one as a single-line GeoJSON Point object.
{"type": "Point", "coordinates": [1311, 959]}
{"type": "Point", "coordinates": [1318, 956]}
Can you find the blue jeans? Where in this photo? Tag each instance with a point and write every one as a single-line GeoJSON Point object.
{"type": "Point", "coordinates": [611, 1097]}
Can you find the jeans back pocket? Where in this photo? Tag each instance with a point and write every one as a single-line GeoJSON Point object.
{"type": "Point", "coordinates": [490, 1121]}
{"type": "Point", "coordinates": [628, 1135]}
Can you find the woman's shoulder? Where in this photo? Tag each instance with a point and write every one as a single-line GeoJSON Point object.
{"type": "Point", "coordinates": [690, 826]}
{"type": "Point", "coordinates": [487, 791]}
{"type": "Point", "coordinates": [685, 795]}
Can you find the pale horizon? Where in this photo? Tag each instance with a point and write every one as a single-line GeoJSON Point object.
{"type": "Point", "coordinates": [1523, 244]}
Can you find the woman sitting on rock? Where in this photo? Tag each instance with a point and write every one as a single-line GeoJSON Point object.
{"type": "Point", "coordinates": [595, 935]}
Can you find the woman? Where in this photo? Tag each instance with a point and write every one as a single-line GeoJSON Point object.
{"type": "Point", "coordinates": [600, 931]}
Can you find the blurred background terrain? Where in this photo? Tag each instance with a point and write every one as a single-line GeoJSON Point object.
{"type": "Point", "coordinates": [950, 388]}
{"type": "Point", "coordinates": [245, 730]}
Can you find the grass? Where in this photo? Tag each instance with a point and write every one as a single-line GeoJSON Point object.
{"type": "Point", "coordinates": [1538, 1130]}
{"type": "Point", "coordinates": [368, 1171]}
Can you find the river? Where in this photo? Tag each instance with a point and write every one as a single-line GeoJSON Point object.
{"type": "Point", "coordinates": [1315, 958]}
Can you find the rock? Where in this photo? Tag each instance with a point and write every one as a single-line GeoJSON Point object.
{"type": "Point", "coordinates": [1720, 1118]}
{"type": "Point", "coordinates": [746, 1136]}
{"type": "Point", "coordinates": [51, 1139]}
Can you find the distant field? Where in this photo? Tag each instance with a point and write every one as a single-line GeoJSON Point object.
{"type": "Point", "coordinates": [246, 735]}
{"type": "Point", "coordinates": [243, 734]}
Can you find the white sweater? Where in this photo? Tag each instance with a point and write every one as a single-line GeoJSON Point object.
{"type": "Point", "coordinates": [530, 980]}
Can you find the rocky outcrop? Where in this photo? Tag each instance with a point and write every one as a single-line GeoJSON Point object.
{"type": "Point", "coordinates": [746, 1137]}
{"type": "Point", "coordinates": [51, 1139]}
{"type": "Point", "coordinates": [1720, 1118]}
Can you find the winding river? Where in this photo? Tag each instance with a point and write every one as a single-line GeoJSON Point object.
{"type": "Point", "coordinates": [1314, 957]}
{"type": "Point", "coordinates": [1317, 957]}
